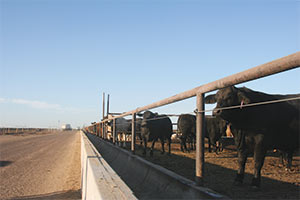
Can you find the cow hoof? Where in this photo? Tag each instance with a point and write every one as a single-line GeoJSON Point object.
{"type": "Point", "coordinates": [238, 181]}
{"type": "Point", "coordinates": [255, 188]}
{"type": "Point", "coordinates": [255, 183]}
{"type": "Point", "coordinates": [162, 152]}
{"type": "Point", "coordinates": [151, 153]}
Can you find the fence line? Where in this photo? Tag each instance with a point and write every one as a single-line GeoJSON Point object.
{"type": "Point", "coordinates": [280, 65]}
{"type": "Point", "coordinates": [223, 108]}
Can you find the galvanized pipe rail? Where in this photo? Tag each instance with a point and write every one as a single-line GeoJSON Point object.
{"type": "Point", "coordinates": [280, 65]}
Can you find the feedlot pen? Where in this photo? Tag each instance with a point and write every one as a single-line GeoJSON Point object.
{"type": "Point", "coordinates": [277, 182]}
{"type": "Point", "coordinates": [220, 170]}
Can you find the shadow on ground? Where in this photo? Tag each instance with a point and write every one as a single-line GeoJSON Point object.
{"type": "Point", "coordinates": [72, 194]}
{"type": "Point", "coordinates": [4, 163]}
{"type": "Point", "coordinates": [220, 178]}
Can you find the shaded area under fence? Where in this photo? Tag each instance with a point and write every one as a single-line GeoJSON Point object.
{"type": "Point", "coordinates": [217, 178]}
{"type": "Point", "coordinates": [147, 180]}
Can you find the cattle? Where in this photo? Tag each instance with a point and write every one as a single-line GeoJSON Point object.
{"type": "Point", "coordinates": [122, 127]}
{"type": "Point", "coordinates": [154, 127]}
{"type": "Point", "coordinates": [214, 129]}
{"type": "Point", "coordinates": [186, 128]}
{"type": "Point", "coordinates": [138, 123]}
{"type": "Point", "coordinates": [257, 129]}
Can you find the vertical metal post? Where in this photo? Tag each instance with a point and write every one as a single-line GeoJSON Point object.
{"type": "Point", "coordinates": [200, 123]}
{"type": "Point", "coordinates": [133, 132]}
{"type": "Point", "coordinates": [114, 131]}
{"type": "Point", "coordinates": [103, 106]}
{"type": "Point", "coordinates": [107, 112]}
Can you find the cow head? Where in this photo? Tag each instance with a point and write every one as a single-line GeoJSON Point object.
{"type": "Point", "coordinates": [146, 116]}
{"type": "Point", "coordinates": [229, 96]}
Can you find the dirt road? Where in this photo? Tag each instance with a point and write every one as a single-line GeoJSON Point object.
{"type": "Point", "coordinates": [43, 166]}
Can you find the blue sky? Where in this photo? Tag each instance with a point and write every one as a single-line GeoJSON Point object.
{"type": "Point", "coordinates": [57, 57]}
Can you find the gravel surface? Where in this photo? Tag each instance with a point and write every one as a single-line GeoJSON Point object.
{"type": "Point", "coordinates": [40, 166]}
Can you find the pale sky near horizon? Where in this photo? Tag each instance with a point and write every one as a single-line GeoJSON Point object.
{"type": "Point", "coordinates": [57, 57]}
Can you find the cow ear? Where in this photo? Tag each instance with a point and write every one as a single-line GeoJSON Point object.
{"type": "Point", "coordinates": [210, 99]}
{"type": "Point", "coordinates": [140, 114]}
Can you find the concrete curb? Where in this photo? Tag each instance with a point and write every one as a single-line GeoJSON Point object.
{"type": "Point", "coordinates": [98, 179]}
{"type": "Point", "coordinates": [147, 180]}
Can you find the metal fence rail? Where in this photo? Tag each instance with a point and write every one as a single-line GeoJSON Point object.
{"type": "Point", "coordinates": [280, 65]}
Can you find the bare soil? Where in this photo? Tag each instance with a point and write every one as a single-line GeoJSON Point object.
{"type": "Point", "coordinates": [43, 165]}
{"type": "Point", "coordinates": [220, 171]}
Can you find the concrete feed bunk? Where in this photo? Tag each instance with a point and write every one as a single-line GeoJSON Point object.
{"type": "Point", "coordinates": [147, 180]}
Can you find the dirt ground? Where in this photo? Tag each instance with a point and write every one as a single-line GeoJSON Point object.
{"type": "Point", "coordinates": [220, 171]}
{"type": "Point", "coordinates": [43, 165]}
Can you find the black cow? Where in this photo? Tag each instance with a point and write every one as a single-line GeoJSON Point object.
{"type": "Point", "coordinates": [186, 127]}
{"type": "Point", "coordinates": [258, 128]}
{"type": "Point", "coordinates": [214, 128]}
{"type": "Point", "coordinates": [138, 123]}
{"type": "Point", "coordinates": [154, 127]}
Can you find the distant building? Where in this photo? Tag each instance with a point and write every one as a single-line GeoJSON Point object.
{"type": "Point", "coordinates": [66, 127]}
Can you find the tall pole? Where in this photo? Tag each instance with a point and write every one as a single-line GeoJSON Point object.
{"type": "Point", "coordinates": [107, 112]}
{"type": "Point", "coordinates": [103, 115]}
{"type": "Point", "coordinates": [103, 106]}
{"type": "Point", "coordinates": [200, 123]}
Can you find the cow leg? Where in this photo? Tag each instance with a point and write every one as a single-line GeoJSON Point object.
{"type": "Point", "coordinates": [218, 147]}
{"type": "Point", "coordinates": [119, 139]}
{"type": "Point", "coordinates": [242, 158]}
{"type": "Point", "coordinates": [124, 139]}
{"type": "Point", "coordinates": [209, 145]}
{"type": "Point", "coordinates": [188, 142]}
{"type": "Point", "coordinates": [188, 146]}
{"type": "Point", "coordinates": [152, 147]}
{"type": "Point", "coordinates": [169, 145]}
{"type": "Point", "coordinates": [289, 159]}
{"type": "Point", "coordinates": [145, 146]}
{"type": "Point", "coordinates": [183, 144]}
{"type": "Point", "coordinates": [259, 157]}
{"type": "Point", "coordinates": [282, 156]}
{"type": "Point", "coordinates": [162, 146]}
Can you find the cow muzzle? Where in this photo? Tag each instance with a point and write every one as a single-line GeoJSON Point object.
{"type": "Point", "coordinates": [217, 112]}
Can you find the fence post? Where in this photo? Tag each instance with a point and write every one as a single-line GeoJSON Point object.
{"type": "Point", "coordinates": [133, 132]}
{"type": "Point", "coordinates": [200, 123]}
{"type": "Point", "coordinates": [114, 131]}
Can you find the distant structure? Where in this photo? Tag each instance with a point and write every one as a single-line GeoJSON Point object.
{"type": "Point", "coordinates": [66, 127]}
